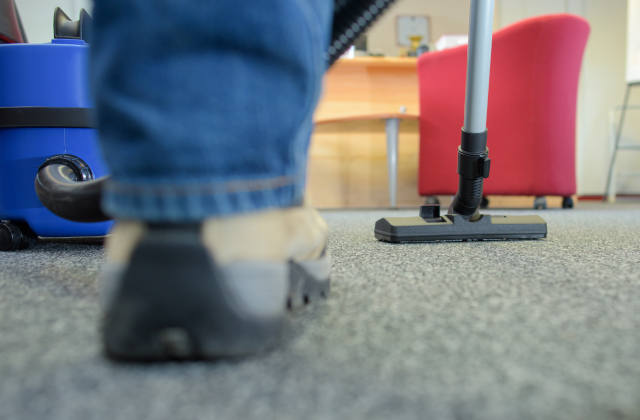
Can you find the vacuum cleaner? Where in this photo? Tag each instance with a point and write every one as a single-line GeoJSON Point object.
{"type": "Point", "coordinates": [463, 222]}
{"type": "Point", "coordinates": [45, 127]}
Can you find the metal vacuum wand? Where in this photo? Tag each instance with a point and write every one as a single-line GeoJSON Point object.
{"type": "Point", "coordinates": [473, 155]}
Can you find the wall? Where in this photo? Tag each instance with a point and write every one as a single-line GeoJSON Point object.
{"type": "Point", "coordinates": [451, 17]}
{"type": "Point", "coordinates": [37, 16]}
{"type": "Point", "coordinates": [602, 85]}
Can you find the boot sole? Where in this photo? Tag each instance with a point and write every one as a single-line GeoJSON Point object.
{"type": "Point", "coordinates": [173, 302]}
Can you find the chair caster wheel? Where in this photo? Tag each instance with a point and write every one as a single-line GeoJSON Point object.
{"type": "Point", "coordinates": [567, 202]}
{"type": "Point", "coordinates": [484, 204]}
{"type": "Point", "coordinates": [431, 200]}
{"type": "Point", "coordinates": [540, 203]}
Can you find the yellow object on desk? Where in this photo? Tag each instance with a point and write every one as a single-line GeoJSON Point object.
{"type": "Point", "coordinates": [365, 99]}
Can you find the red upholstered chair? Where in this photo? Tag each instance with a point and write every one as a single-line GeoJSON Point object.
{"type": "Point", "coordinates": [535, 65]}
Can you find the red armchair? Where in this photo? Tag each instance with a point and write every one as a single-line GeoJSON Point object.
{"type": "Point", "coordinates": [535, 65]}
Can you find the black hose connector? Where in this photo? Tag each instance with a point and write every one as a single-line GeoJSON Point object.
{"type": "Point", "coordinates": [65, 185]}
{"type": "Point", "coordinates": [473, 167]}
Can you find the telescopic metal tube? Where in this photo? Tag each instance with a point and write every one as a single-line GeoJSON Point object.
{"type": "Point", "coordinates": [473, 162]}
{"type": "Point", "coordinates": [478, 65]}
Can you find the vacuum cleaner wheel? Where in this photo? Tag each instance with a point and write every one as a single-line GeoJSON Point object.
{"type": "Point", "coordinates": [13, 237]}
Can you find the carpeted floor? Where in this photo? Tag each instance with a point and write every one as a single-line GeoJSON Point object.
{"type": "Point", "coordinates": [545, 329]}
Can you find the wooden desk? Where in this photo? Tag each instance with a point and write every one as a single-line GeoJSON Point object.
{"type": "Point", "coordinates": [392, 128]}
{"type": "Point", "coordinates": [369, 85]}
{"type": "Point", "coordinates": [344, 167]}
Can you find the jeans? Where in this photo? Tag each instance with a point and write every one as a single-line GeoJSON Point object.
{"type": "Point", "coordinates": [204, 107]}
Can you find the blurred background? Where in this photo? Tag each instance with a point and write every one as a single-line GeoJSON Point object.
{"type": "Point", "coordinates": [348, 165]}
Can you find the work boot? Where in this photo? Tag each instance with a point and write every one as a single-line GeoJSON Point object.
{"type": "Point", "coordinates": [212, 289]}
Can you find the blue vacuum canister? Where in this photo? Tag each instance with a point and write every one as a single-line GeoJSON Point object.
{"type": "Point", "coordinates": [45, 122]}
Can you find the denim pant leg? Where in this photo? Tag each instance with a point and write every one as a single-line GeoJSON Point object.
{"type": "Point", "coordinates": [204, 107]}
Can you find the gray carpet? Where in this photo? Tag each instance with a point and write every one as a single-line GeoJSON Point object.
{"type": "Point", "coordinates": [537, 329]}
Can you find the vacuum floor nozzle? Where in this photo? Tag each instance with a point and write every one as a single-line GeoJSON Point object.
{"type": "Point", "coordinates": [431, 227]}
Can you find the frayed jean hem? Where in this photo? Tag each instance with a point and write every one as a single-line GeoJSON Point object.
{"type": "Point", "coordinates": [195, 201]}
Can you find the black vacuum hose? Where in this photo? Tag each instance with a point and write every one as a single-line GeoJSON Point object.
{"type": "Point", "coordinates": [65, 185]}
{"type": "Point", "coordinates": [350, 19]}
{"type": "Point", "coordinates": [473, 167]}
